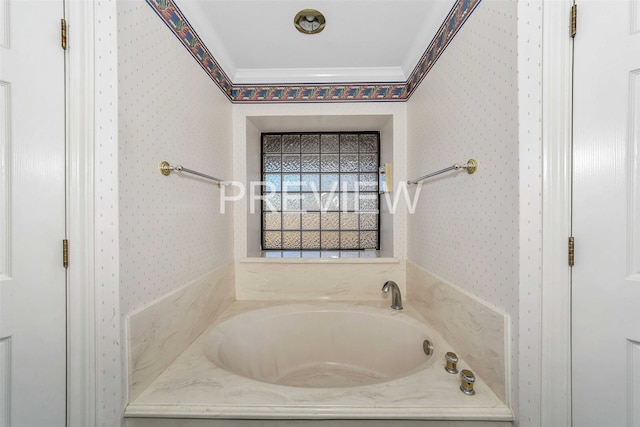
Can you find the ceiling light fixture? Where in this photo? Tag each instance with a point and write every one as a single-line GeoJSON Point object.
{"type": "Point", "coordinates": [309, 21]}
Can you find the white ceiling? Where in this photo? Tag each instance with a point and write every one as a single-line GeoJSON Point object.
{"type": "Point", "coordinates": [364, 41]}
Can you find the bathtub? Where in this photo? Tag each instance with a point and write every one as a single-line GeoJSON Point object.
{"type": "Point", "coordinates": [320, 346]}
{"type": "Point", "coordinates": [316, 360]}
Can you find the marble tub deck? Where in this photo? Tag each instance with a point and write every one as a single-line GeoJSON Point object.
{"type": "Point", "coordinates": [193, 387]}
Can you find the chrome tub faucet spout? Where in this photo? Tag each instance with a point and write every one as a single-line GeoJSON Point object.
{"type": "Point", "coordinates": [396, 298]}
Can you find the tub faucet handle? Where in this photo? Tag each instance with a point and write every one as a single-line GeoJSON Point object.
{"type": "Point", "coordinates": [466, 382]}
{"type": "Point", "coordinates": [452, 361]}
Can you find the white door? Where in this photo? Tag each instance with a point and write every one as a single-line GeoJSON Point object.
{"type": "Point", "coordinates": [606, 215]}
{"type": "Point", "coordinates": [32, 215]}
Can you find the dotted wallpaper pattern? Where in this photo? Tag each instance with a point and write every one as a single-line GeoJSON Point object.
{"type": "Point", "coordinates": [171, 229]}
{"type": "Point", "coordinates": [109, 365]}
{"type": "Point", "coordinates": [465, 228]}
{"type": "Point", "coordinates": [530, 20]}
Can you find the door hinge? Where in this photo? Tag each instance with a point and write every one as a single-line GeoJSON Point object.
{"type": "Point", "coordinates": [65, 253]}
{"type": "Point", "coordinates": [571, 251]}
{"type": "Point", "coordinates": [574, 20]}
{"type": "Point", "coordinates": [63, 33]}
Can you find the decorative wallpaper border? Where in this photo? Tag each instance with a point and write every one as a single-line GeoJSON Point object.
{"type": "Point", "coordinates": [320, 92]}
{"type": "Point", "coordinates": [458, 15]}
{"type": "Point", "coordinates": [169, 12]}
{"type": "Point", "coordinates": [178, 24]}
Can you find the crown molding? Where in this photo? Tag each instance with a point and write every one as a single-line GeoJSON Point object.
{"type": "Point", "coordinates": [264, 76]}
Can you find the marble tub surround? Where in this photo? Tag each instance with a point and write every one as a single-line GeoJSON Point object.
{"type": "Point", "coordinates": [159, 332]}
{"type": "Point", "coordinates": [193, 387]}
{"type": "Point", "coordinates": [477, 331]}
{"type": "Point", "coordinates": [319, 278]}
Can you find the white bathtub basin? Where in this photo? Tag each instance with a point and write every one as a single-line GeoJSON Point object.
{"type": "Point", "coordinates": [313, 346]}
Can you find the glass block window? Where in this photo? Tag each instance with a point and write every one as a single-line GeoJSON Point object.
{"type": "Point", "coordinates": [320, 191]}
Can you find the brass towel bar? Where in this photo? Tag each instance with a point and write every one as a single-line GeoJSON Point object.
{"type": "Point", "coordinates": [470, 167]}
{"type": "Point", "coordinates": [166, 169]}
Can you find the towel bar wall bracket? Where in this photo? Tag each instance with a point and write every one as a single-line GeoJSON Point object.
{"type": "Point", "coordinates": [471, 166]}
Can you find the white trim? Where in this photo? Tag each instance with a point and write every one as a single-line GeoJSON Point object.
{"type": "Point", "coordinates": [81, 392]}
{"type": "Point", "coordinates": [633, 177]}
{"type": "Point", "coordinates": [268, 76]}
{"type": "Point", "coordinates": [635, 18]}
{"type": "Point", "coordinates": [6, 22]}
{"type": "Point", "coordinates": [555, 399]}
{"type": "Point", "coordinates": [5, 181]}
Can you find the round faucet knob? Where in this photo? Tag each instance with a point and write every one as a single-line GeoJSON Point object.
{"type": "Point", "coordinates": [452, 361]}
{"type": "Point", "coordinates": [466, 382]}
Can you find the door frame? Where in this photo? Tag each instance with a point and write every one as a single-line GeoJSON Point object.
{"type": "Point", "coordinates": [94, 332]}
{"type": "Point", "coordinates": [84, 297]}
{"type": "Point", "coordinates": [81, 328]}
{"type": "Point", "coordinates": [555, 351]}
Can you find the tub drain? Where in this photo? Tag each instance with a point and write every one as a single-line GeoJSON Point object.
{"type": "Point", "coordinates": [427, 347]}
